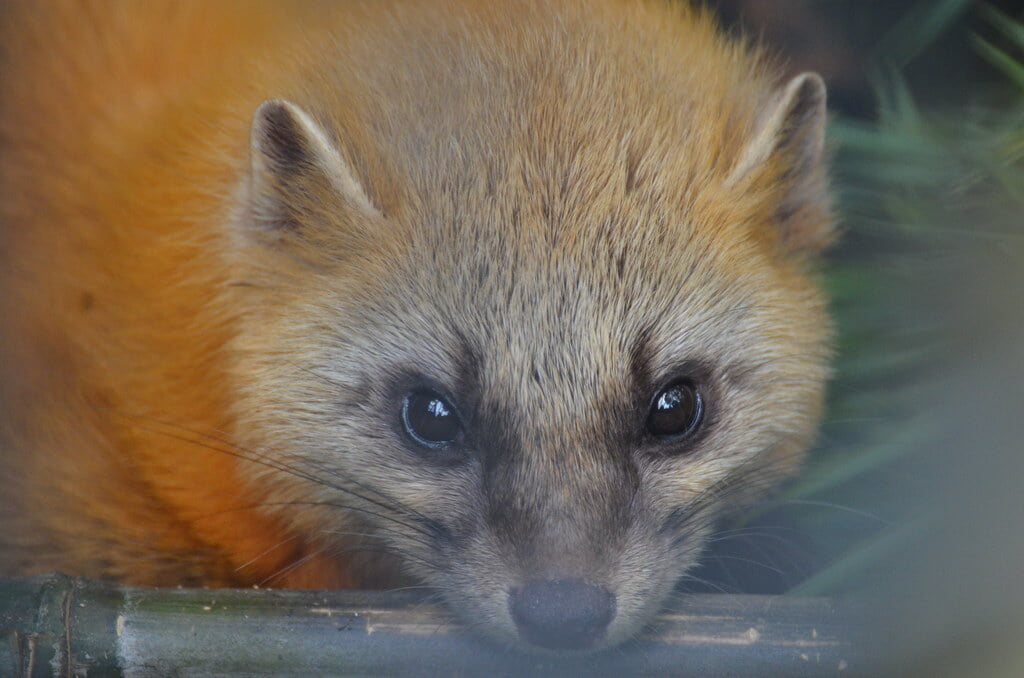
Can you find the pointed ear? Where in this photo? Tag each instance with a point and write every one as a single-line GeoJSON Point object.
{"type": "Point", "coordinates": [296, 170]}
{"type": "Point", "coordinates": [787, 146]}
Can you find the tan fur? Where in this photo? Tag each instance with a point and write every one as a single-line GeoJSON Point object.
{"type": "Point", "coordinates": [537, 184]}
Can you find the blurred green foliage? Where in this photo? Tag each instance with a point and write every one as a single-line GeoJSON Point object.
{"type": "Point", "coordinates": [922, 195]}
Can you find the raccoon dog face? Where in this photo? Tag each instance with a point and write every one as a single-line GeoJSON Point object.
{"type": "Point", "coordinates": [537, 375]}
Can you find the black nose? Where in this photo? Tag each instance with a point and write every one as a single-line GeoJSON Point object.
{"type": "Point", "coordinates": [561, 614]}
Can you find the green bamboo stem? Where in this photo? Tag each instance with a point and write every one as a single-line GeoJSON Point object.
{"type": "Point", "coordinates": [55, 625]}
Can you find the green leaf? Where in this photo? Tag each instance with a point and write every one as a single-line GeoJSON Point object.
{"type": "Point", "coordinates": [1000, 59]}
{"type": "Point", "coordinates": [918, 29]}
{"type": "Point", "coordinates": [910, 437]}
{"type": "Point", "coordinates": [870, 553]}
{"type": "Point", "coordinates": [1005, 24]}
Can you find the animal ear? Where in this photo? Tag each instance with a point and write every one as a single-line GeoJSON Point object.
{"type": "Point", "coordinates": [786, 147]}
{"type": "Point", "coordinates": [296, 171]}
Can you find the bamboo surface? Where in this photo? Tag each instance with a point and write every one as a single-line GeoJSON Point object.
{"type": "Point", "coordinates": [55, 625]}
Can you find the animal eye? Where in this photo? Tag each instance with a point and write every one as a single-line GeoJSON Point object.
{"type": "Point", "coordinates": [430, 419]}
{"type": "Point", "coordinates": [676, 410]}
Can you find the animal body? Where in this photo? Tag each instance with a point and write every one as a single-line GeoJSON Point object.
{"type": "Point", "coordinates": [510, 299]}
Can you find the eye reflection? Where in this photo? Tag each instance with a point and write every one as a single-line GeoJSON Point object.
{"type": "Point", "coordinates": [429, 419]}
{"type": "Point", "coordinates": [677, 410]}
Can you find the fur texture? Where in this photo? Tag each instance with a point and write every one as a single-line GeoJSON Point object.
{"type": "Point", "coordinates": [213, 306]}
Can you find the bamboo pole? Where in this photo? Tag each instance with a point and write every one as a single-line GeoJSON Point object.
{"type": "Point", "coordinates": [55, 625]}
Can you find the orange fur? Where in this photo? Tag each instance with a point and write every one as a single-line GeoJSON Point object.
{"type": "Point", "coordinates": [112, 262]}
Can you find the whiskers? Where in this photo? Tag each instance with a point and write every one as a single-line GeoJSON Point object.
{"type": "Point", "coordinates": [290, 567]}
{"type": "Point", "coordinates": [754, 555]}
{"type": "Point", "coordinates": [722, 499]}
{"type": "Point", "coordinates": [860, 513]}
{"type": "Point", "coordinates": [352, 498]}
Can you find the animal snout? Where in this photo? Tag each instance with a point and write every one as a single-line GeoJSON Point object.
{"type": "Point", "coordinates": [561, 614]}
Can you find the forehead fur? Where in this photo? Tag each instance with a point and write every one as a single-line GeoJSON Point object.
{"type": "Point", "coordinates": [567, 176]}
{"type": "Point", "coordinates": [553, 181]}
{"type": "Point", "coordinates": [573, 101]}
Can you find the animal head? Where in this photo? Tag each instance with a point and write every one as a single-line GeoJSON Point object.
{"type": "Point", "coordinates": [535, 354]}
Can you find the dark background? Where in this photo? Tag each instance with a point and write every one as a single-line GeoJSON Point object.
{"type": "Point", "coordinates": [849, 41]}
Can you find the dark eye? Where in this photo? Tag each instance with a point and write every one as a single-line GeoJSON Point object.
{"type": "Point", "coordinates": [676, 410]}
{"type": "Point", "coordinates": [430, 419]}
